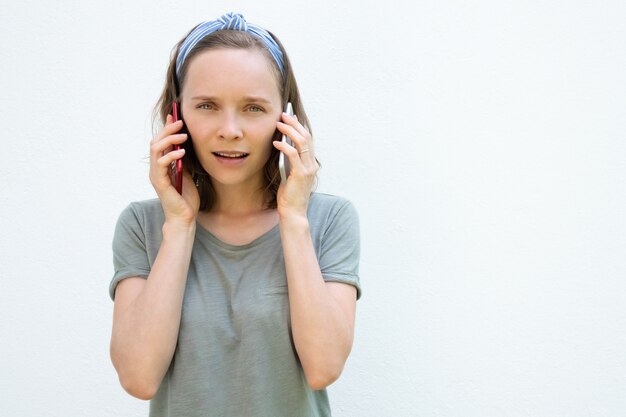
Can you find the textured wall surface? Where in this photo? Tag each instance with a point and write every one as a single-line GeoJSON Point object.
{"type": "Point", "coordinates": [483, 144]}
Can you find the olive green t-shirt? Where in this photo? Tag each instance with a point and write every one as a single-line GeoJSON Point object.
{"type": "Point", "coordinates": [235, 354]}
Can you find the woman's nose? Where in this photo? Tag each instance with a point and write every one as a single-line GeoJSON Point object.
{"type": "Point", "coordinates": [230, 126]}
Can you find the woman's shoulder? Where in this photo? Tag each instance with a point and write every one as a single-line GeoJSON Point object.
{"type": "Point", "coordinates": [152, 204]}
{"type": "Point", "coordinates": [322, 205]}
{"type": "Point", "coordinates": [144, 211]}
{"type": "Point", "coordinates": [323, 200]}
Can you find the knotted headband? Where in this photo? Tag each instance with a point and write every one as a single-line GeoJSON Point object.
{"type": "Point", "coordinates": [228, 21]}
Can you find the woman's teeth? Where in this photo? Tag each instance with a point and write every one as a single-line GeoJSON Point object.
{"type": "Point", "coordinates": [230, 155]}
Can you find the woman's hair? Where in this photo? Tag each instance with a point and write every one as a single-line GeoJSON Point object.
{"type": "Point", "coordinates": [229, 39]}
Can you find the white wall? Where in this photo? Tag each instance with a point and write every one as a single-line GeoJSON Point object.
{"type": "Point", "coordinates": [482, 142]}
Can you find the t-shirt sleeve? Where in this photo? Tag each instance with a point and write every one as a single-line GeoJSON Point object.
{"type": "Point", "coordinates": [130, 257]}
{"type": "Point", "coordinates": [340, 247]}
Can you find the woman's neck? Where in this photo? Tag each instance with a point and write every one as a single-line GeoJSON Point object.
{"type": "Point", "coordinates": [239, 200]}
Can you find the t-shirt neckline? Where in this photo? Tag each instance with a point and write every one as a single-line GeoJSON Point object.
{"type": "Point", "coordinates": [200, 230]}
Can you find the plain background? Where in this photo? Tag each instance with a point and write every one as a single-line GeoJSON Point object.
{"type": "Point", "coordinates": [483, 144]}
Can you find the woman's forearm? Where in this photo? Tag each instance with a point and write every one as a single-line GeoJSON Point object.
{"type": "Point", "coordinates": [145, 327]}
{"type": "Point", "coordinates": [322, 331]}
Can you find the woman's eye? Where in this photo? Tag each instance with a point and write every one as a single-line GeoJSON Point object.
{"type": "Point", "coordinates": [255, 109]}
{"type": "Point", "coordinates": [205, 106]}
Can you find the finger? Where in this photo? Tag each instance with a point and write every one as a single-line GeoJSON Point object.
{"type": "Point", "coordinates": [165, 145]}
{"type": "Point", "coordinates": [166, 160]}
{"type": "Point", "coordinates": [307, 155]}
{"type": "Point", "coordinates": [160, 170]}
{"type": "Point", "coordinates": [292, 120]}
{"type": "Point", "coordinates": [292, 154]}
{"type": "Point", "coordinates": [168, 129]}
{"type": "Point", "coordinates": [301, 141]}
{"type": "Point", "coordinates": [304, 147]}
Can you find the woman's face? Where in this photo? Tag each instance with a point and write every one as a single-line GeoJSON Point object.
{"type": "Point", "coordinates": [231, 103]}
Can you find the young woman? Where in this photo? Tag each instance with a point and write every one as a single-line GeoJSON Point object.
{"type": "Point", "coordinates": [236, 297]}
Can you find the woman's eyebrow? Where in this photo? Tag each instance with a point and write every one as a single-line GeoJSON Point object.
{"type": "Point", "coordinates": [256, 99]}
{"type": "Point", "coordinates": [209, 98]}
{"type": "Point", "coordinates": [246, 99]}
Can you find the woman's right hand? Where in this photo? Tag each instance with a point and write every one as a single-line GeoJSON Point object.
{"type": "Point", "coordinates": [178, 208]}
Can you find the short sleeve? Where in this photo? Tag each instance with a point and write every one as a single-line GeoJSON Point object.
{"type": "Point", "coordinates": [130, 257]}
{"type": "Point", "coordinates": [340, 247]}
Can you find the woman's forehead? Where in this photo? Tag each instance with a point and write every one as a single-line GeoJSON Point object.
{"type": "Point", "coordinates": [246, 70]}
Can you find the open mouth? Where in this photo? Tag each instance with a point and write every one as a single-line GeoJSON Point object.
{"type": "Point", "coordinates": [231, 155]}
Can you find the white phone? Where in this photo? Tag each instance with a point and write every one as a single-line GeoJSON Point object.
{"type": "Point", "coordinates": [283, 162]}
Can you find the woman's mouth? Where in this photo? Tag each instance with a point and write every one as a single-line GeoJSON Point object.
{"type": "Point", "coordinates": [230, 158]}
{"type": "Point", "coordinates": [231, 155]}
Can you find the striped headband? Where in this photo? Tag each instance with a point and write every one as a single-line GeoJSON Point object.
{"type": "Point", "coordinates": [228, 21]}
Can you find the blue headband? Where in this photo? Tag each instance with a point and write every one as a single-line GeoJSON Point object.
{"type": "Point", "coordinates": [228, 21]}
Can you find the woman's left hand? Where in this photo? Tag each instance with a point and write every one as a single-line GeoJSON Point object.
{"type": "Point", "coordinates": [293, 194]}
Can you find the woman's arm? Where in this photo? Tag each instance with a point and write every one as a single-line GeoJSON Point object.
{"type": "Point", "coordinates": [146, 315]}
{"type": "Point", "coordinates": [322, 314]}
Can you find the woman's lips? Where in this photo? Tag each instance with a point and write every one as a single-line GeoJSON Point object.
{"type": "Point", "coordinates": [230, 158]}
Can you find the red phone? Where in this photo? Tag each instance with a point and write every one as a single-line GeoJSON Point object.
{"type": "Point", "coordinates": [177, 166]}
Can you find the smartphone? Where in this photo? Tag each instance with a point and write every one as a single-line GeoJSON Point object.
{"type": "Point", "coordinates": [283, 162]}
{"type": "Point", "coordinates": [177, 166]}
